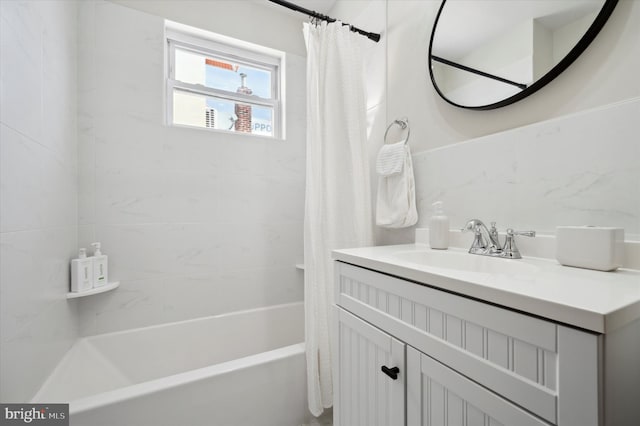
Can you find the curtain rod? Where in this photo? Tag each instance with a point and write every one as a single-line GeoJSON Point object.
{"type": "Point", "coordinates": [371, 36]}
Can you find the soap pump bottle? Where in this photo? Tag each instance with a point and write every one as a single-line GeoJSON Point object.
{"type": "Point", "coordinates": [81, 272]}
{"type": "Point", "coordinates": [439, 228]}
{"type": "Point", "coordinates": [100, 264]}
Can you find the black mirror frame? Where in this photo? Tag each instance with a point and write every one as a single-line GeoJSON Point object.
{"type": "Point", "coordinates": [573, 54]}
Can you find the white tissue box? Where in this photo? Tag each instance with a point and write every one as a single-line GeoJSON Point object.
{"type": "Point", "coordinates": [590, 247]}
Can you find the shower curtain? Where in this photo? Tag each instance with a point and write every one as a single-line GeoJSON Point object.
{"type": "Point", "coordinates": [338, 212]}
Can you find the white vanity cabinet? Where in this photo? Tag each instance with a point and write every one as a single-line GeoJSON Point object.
{"type": "Point", "coordinates": [461, 361]}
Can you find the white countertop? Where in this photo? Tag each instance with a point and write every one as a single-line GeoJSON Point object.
{"type": "Point", "coordinates": [592, 300]}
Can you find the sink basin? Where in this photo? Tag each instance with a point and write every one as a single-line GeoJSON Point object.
{"type": "Point", "coordinates": [465, 262]}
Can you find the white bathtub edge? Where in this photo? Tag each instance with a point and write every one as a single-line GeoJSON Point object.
{"type": "Point", "coordinates": [192, 320]}
{"type": "Point", "coordinates": [157, 385]}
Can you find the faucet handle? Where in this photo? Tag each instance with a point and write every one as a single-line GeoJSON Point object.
{"type": "Point", "coordinates": [523, 233]}
{"type": "Point", "coordinates": [479, 245]}
{"type": "Point", "coordinates": [510, 250]}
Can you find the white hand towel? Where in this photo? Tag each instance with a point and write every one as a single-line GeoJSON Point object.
{"type": "Point", "coordinates": [396, 203]}
{"type": "Point", "coordinates": [390, 160]}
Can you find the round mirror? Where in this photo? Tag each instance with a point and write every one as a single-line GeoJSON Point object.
{"type": "Point", "coordinates": [485, 54]}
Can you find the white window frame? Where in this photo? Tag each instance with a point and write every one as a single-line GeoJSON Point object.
{"type": "Point", "coordinates": [236, 51]}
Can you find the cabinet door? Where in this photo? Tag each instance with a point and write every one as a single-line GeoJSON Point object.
{"type": "Point", "coordinates": [438, 396]}
{"type": "Point", "coordinates": [364, 395]}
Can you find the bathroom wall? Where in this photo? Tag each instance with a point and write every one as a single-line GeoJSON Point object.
{"type": "Point", "coordinates": [38, 187]}
{"type": "Point", "coordinates": [194, 222]}
{"type": "Point", "coordinates": [606, 73]}
{"type": "Point", "coordinates": [580, 169]}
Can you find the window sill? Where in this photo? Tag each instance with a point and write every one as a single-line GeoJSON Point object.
{"type": "Point", "coordinates": [223, 132]}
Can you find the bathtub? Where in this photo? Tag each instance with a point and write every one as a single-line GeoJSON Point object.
{"type": "Point", "coordinates": [244, 368]}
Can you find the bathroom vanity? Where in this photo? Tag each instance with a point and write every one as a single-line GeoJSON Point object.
{"type": "Point", "coordinates": [426, 337]}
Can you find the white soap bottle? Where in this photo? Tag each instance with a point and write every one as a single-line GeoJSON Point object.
{"type": "Point", "coordinates": [81, 272]}
{"type": "Point", "coordinates": [100, 264]}
{"type": "Point", "coordinates": [439, 228]}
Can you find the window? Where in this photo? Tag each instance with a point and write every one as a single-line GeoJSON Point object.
{"type": "Point", "coordinates": [223, 85]}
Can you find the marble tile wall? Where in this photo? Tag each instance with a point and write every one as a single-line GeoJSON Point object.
{"type": "Point", "coordinates": [38, 191]}
{"type": "Point", "coordinates": [194, 222]}
{"type": "Point", "coordinates": [582, 169]}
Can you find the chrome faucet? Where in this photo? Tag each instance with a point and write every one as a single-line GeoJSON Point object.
{"type": "Point", "coordinates": [486, 242]}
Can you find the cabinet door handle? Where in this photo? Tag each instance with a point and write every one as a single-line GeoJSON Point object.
{"type": "Point", "coordinates": [391, 372]}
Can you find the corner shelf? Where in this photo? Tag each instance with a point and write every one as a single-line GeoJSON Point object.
{"type": "Point", "coordinates": [98, 290]}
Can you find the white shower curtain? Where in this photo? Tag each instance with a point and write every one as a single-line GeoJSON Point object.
{"type": "Point", "coordinates": [338, 212]}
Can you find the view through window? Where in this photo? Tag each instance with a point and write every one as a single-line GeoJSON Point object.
{"type": "Point", "coordinates": [223, 88]}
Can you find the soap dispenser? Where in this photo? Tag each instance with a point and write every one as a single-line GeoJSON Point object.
{"type": "Point", "coordinates": [99, 266]}
{"type": "Point", "coordinates": [81, 272]}
{"type": "Point", "coordinates": [439, 228]}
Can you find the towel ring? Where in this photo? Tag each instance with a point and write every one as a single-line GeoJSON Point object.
{"type": "Point", "coordinates": [403, 123]}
